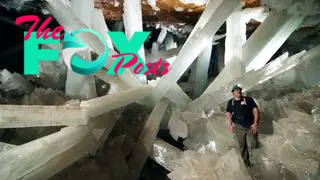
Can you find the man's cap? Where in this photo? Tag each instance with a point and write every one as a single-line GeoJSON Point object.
{"type": "Point", "coordinates": [234, 87]}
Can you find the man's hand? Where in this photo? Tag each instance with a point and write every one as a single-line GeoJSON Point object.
{"type": "Point", "coordinates": [254, 128]}
{"type": "Point", "coordinates": [232, 129]}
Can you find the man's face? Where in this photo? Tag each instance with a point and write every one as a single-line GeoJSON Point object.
{"type": "Point", "coordinates": [237, 93]}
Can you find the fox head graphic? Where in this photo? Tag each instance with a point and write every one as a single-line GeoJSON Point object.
{"type": "Point", "coordinates": [71, 46]}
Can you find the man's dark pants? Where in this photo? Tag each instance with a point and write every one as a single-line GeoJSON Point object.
{"type": "Point", "coordinates": [247, 142]}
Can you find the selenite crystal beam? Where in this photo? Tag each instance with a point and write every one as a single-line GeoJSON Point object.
{"type": "Point", "coordinates": [132, 19]}
{"type": "Point", "coordinates": [178, 96]}
{"type": "Point", "coordinates": [86, 146]}
{"type": "Point", "coordinates": [162, 35]}
{"type": "Point", "coordinates": [165, 154]}
{"type": "Point", "coordinates": [116, 84]}
{"type": "Point", "coordinates": [202, 68]}
{"type": "Point", "coordinates": [235, 36]}
{"type": "Point", "coordinates": [169, 42]}
{"type": "Point", "coordinates": [268, 38]}
{"type": "Point", "coordinates": [5, 146]}
{"type": "Point", "coordinates": [66, 18]}
{"type": "Point", "coordinates": [219, 11]}
{"type": "Point", "coordinates": [247, 81]}
{"type": "Point", "coordinates": [78, 85]}
{"type": "Point", "coordinates": [36, 153]}
{"type": "Point", "coordinates": [99, 25]}
{"type": "Point", "coordinates": [20, 116]}
{"type": "Point", "coordinates": [59, 162]}
{"type": "Point", "coordinates": [97, 106]}
{"type": "Point", "coordinates": [259, 48]}
{"type": "Point", "coordinates": [154, 57]}
{"type": "Point", "coordinates": [143, 148]}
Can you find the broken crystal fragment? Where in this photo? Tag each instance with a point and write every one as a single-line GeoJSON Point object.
{"type": "Point", "coordinates": [13, 84]}
{"type": "Point", "coordinates": [165, 154]}
{"type": "Point", "coordinates": [210, 134]}
{"type": "Point", "coordinates": [231, 166]}
{"type": "Point", "coordinates": [52, 74]}
{"type": "Point", "coordinates": [177, 125]}
{"type": "Point", "coordinates": [316, 115]}
{"type": "Point", "coordinates": [42, 96]}
{"type": "Point", "coordinates": [265, 168]}
{"type": "Point", "coordinates": [198, 166]}
{"type": "Point", "coordinates": [194, 166]}
{"type": "Point", "coordinates": [297, 142]}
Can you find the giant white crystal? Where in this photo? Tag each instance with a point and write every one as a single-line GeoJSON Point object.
{"type": "Point", "coordinates": [268, 38]}
{"type": "Point", "coordinates": [5, 146]}
{"type": "Point", "coordinates": [99, 25]}
{"type": "Point", "coordinates": [235, 37]}
{"type": "Point", "coordinates": [98, 106]}
{"type": "Point", "coordinates": [164, 55]}
{"type": "Point", "coordinates": [211, 100]}
{"type": "Point", "coordinates": [178, 96]}
{"type": "Point", "coordinates": [197, 41]}
{"type": "Point", "coordinates": [259, 48]}
{"type": "Point", "coordinates": [86, 146]}
{"type": "Point", "coordinates": [132, 19]}
{"type": "Point", "coordinates": [41, 151]}
{"type": "Point", "coordinates": [37, 116]}
{"type": "Point", "coordinates": [202, 68]}
{"type": "Point", "coordinates": [80, 85]}
{"type": "Point", "coordinates": [71, 22]}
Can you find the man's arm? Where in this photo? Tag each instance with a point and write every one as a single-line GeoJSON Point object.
{"type": "Point", "coordinates": [228, 115]}
{"type": "Point", "coordinates": [256, 114]}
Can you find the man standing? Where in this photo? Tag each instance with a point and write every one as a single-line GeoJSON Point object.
{"type": "Point", "coordinates": [243, 115]}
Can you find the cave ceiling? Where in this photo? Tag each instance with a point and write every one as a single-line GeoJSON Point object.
{"type": "Point", "coordinates": [166, 11]}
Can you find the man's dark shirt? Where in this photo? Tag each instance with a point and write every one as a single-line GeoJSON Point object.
{"type": "Point", "coordinates": [241, 111]}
